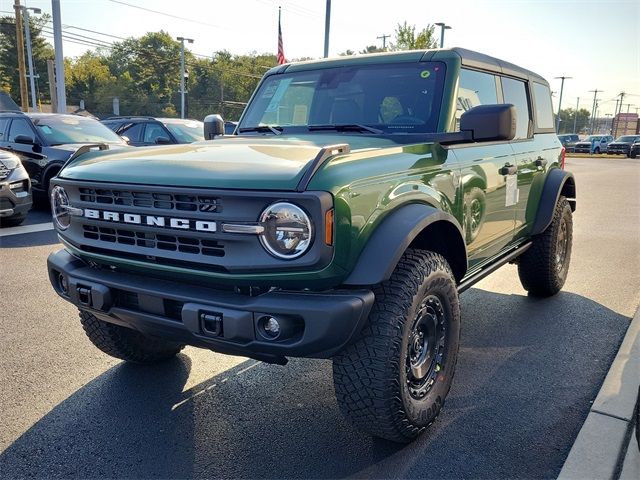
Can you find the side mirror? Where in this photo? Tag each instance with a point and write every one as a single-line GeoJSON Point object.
{"type": "Point", "coordinates": [125, 138]}
{"type": "Point", "coordinates": [490, 122]}
{"type": "Point", "coordinates": [162, 141]}
{"type": "Point", "coordinates": [24, 139]}
{"type": "Point", "coordinates": [213, 126]}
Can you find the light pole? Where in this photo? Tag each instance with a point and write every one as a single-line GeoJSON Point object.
{"type": "Point", "coordinates": [443, 27]}
{"type": "Point", "coordinates": [560, 102]}
{"type": "Point", "coordinates": [57, 45]}
{"type": "Point", "coordinates": [327, 25]}
{"type": "Point", "coordinates": [182, 92]}
{"type": "Point", "coordinates": [27, 31]}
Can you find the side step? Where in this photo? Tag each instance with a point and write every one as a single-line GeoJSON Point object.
{"type": "Point", "coordinates": [467, 282]}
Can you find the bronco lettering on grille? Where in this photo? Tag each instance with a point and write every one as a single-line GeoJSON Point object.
{"type": "Point", "coordinates": [151, 220]}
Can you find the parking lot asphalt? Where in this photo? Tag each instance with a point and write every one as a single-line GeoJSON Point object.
{"type": "Point", "coordinates": [528, 371]}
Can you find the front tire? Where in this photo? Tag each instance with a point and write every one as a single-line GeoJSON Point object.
{"type": "Point", "coordinates": [543, 268]}
{"type": "Point", "coordinates": [393, 379]}
{"type": "Point", "coordinates": [12, 221]}
{"type": "Point", "coordinates": [125, 343]}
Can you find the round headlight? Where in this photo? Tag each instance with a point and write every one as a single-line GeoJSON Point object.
{"type": "Point", "coordinates": [60, 207]}
{"type": "Point", "coordinates": [287, 230]}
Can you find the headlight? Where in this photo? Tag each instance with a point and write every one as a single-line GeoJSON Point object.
{"type": "Point", "coordinates": [60, 207]}
{"type": "Point", "coordinates": [287, 230]}
{"type": "Point", "coordinates": [9, 160]}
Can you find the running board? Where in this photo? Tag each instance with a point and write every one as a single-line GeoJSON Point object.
{"type": "Point", "coordinates": [476, 277]}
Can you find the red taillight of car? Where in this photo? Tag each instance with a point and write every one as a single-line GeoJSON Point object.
{"type": "Point", "coordinates": [563, 154]}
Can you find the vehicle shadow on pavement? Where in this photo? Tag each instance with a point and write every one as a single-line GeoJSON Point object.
{"type": "Point", "coordinates": [527, 372]}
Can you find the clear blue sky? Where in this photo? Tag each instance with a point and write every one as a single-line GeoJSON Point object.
{"type": "Point", "coordinates": [595, 42]}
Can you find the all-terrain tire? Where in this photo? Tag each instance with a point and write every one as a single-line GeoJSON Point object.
{"type": "Point", "coordinates": [125, 343]}
{"type": "Point", "coordinates": [373, 377]}
{"type": "Point", "coordinates": [543, 268]}
{"type": "Point", "coordinates": [12, 221]}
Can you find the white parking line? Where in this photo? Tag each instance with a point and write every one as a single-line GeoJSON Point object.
{"type": "Point", "coordinates": [38, 227]}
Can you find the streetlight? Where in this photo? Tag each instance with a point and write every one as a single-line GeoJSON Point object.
{"type": "Point", "coordinates": [443, 27]}
{"type": "Point", "coordinates": [182, 92]}
{"type": "Point", "coordinates": [27, 31]}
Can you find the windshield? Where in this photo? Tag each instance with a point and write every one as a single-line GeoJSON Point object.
{"type": "Point", "coordinates": [627, 138]}
{"type": "Point", "coordinates": [59, 129]}
{"type": "Point", "coordinates": [592, 138]}
{"type": "Point", "coordinates": [403, 97]}
{"type": "Point", "coordinates": [186, 131]}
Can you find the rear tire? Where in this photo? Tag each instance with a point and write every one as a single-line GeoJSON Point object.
{"type": "Point", "coordinates": [543, 268]}
{"type": "Point", "coordinates": [125, 343]}
{"type": "Point", "coordinates": [475, 207]}
{"type": "Point", "coordinates": [393, 379]}
{"type": "Point", "coordinates": [12, 221]}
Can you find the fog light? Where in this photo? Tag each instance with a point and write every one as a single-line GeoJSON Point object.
{"type": "Point", "coordinates": [64, 284]}
{"type": "Point", "coordinates": [271, 327]}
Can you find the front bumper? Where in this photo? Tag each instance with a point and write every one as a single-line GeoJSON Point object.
{"type": "Point", "coordinates": [312, 324]}
{"type": "Point", "coordinates": [15, 195]}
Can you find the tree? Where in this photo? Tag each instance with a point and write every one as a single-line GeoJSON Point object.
{"type": "Point", "coordinates": [568, 116]}
{"type": "Point", "coordinates": [407, 39]}
{"type": "Point", "coordinates": [42, 51]}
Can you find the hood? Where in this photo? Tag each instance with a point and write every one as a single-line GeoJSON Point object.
{"type": "Point", "coordinates": [249, 162]}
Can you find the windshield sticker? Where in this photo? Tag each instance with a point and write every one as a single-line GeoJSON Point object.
{"type": "Point", "coordinates": [46, 129]}
{"type": "Point", "coordinates": [278, 94]}
{"type": "Point", "coordinates": [425, 74]}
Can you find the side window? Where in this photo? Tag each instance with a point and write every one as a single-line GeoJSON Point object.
{"type": "Point", "coordinates": [514, 92]}
{"type": "Point", "coordinates": [544, 109]}
{"type": "Point", "coordinates": [3, 126]}
{"type": "Point", "coordinates": [20, 126]}
{"type": "Point", "coordinates": [153, 131]}
{"type": "Point", "coordinates": [133, 132]}
{"type": "Point", "coordinates": [476, 88]}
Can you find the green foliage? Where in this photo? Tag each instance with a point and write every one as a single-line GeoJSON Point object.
{"type": "Point", "coordinates": [568, 116]}
{"type": "Point", "coordinates": [42, 51]}
{"type": "Point", "coordinates": [407, 39]}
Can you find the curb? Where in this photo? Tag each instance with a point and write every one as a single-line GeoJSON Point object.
{"type": "Point", "coordinates": [606, 437]}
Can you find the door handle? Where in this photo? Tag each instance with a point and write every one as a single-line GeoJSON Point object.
{"type": "Point", "coordinates": [541, 162]}
{"type": "Point", "coordinates": [508, 170]}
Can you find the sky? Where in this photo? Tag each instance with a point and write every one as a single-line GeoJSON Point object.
{"type": "Point", "coordinates": [597, 43]}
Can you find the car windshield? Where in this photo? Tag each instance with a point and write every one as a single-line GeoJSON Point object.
{"type": "Point", "coordinates": [60, 129]}
{"type": "Point", "coordinates": [186, 131]}
{"type": "Point", "coordinates": [592, 138]}
{"type": "Point", "coordinates": [385, 98]}
{"type": "Point", "coordinates": [627, 138]}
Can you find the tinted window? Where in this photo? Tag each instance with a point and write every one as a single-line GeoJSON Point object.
{"type": "Point", "coordinates": [20, 126]}
{"type": "Point", "coordinates": [60, 129]}
{"type": "Point", "coordinates": [514, 92]}
{"type": "Point", "coordinates": [476, 88]}
{"type": "Point", "coordinates": [187, 131]}
{"type": "Point", "coordinates": [153, 132]}
{"type": "Point", "coordinates": [133, 132]}
{"type": "Point", "coordinates": [544, 109]}
{"type": "Point", "coordinates": [3, 126]}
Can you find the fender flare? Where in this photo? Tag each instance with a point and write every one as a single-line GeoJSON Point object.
{"type": "Point", "coordinates": [557, 181]}
{"type": "Point", "coordinates": [390, 240]}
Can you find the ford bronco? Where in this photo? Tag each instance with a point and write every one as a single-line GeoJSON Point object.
{"type": "Point", "coordinates": [356, 199]}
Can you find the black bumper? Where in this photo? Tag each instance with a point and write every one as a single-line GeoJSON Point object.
{"type": "Point", "coordinates": [312, 324]}
{"type": "Point", "coordinates": [14, 201]}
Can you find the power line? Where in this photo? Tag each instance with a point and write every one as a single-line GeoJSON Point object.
{"type": "Point", "coordinates": [166, 14]}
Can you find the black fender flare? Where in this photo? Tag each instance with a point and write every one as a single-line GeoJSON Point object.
{"type": "Point", "coordinates": [557, 182]}
{"type": "Point", "coordinates": [391, 239]}
{"type": "Point", "coordinates": [46, 173]}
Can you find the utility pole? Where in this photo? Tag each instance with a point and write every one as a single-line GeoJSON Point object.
{"type": "Point", "coordinates": [27, 31]}
{"type": "Point", "coordinates": [616, 112]}
{"type": "Point", "coordinates": [327, 24]}
{"type": "Point", "coordinates": [57, 45]}
{"type": "Point", "coordinates": [443, 27]}
{"type": "Point", "coordinates": [52, 85]}
{"type": "Point", "coordinates": [182, 73]}
{"type": "Point", "coordinates": [593, 109]}
{"type": "Point", "coordinates": [560, 102]}
{"type": "Point", "coordinates": [24, 101]}
{"type": "Point", "coordinates": [575, 117]}
{"type": "Point", "coordinates": [384, 41]}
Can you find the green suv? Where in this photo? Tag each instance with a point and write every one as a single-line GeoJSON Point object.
{"type": "Point", "coordinates": [356, 200]}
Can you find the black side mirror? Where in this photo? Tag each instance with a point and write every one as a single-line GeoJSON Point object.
{"type": "Point", "coordinates": [24, 139]}
{"type": "Point", "coordinates": [162, 141]}
{"type": "Point", "coordinates": [490, 122]}
{"type": "Point", "coordinates": [213, 126]}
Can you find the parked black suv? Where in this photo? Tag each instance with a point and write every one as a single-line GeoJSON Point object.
{"type": "Point", "coordinates": [45, 141]}
{"type": "Point", "coordinates": [622, 145]}
{"type": "Point", "coordinates": [144, 131]}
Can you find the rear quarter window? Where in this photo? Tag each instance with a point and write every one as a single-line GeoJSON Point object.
{"type": "Point", "coordinates": [544, 109]}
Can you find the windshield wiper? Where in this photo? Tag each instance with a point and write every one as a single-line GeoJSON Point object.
{"type": "Point", "coordinates": [346, 127]}
{"type": "Point", "coordinates": [275, 129]}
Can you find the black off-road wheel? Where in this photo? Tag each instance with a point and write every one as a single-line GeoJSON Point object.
{"type": "Point", "coordinates": [125, 343]}
{"type": "Point", "coordinates": [543, 268]}
{"type": "Point", "coordinates": [393, 379]}
{"type": "Point", "coordinates": [475, 207]}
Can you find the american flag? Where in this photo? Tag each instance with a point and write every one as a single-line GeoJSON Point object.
{"type": "Point", "coordinates": [281, 58]}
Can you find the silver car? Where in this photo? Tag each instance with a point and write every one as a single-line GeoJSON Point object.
{"type": "Point", "coordinates": [15, 190]}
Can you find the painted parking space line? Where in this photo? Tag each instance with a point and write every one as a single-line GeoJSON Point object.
{"type": "Point", "coordinates": [38, 227]}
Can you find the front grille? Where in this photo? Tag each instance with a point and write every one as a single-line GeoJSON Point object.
{"type": "Point", "coordinates": [151, 200]}
{"type": "Point", "coordinates": [4, 171]}
{"type": "Point", "coordinates": [152, 240]}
